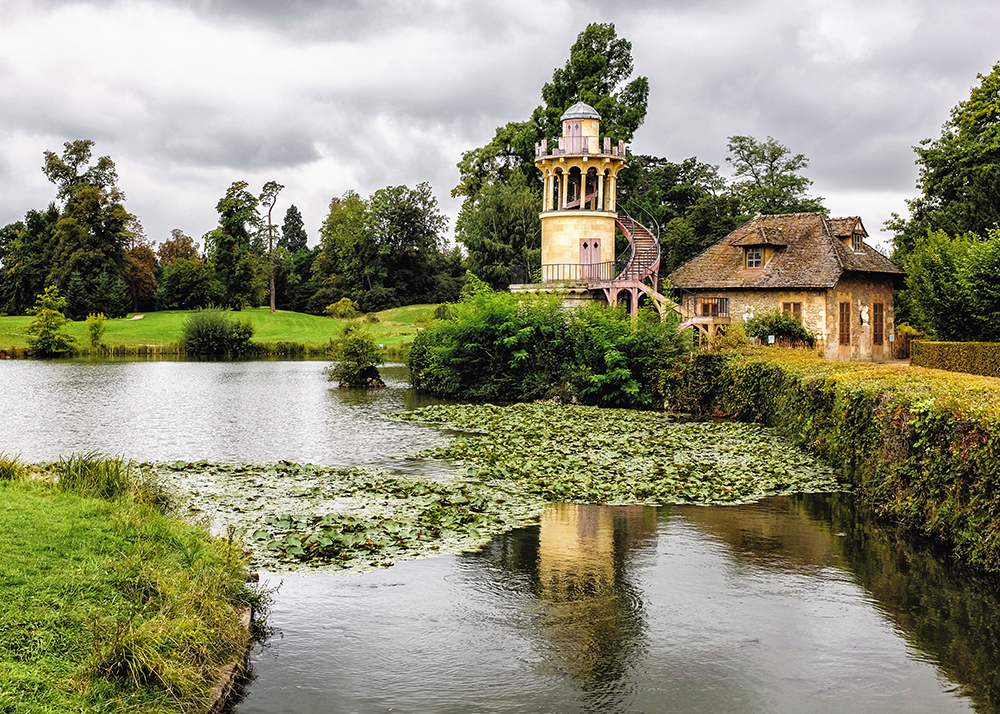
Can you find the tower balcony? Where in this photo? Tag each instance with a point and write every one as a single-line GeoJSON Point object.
{"type": "Point", "coordinates": [579, 146]}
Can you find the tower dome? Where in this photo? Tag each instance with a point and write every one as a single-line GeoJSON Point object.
{"type": "Point", "coordinates": [580, 111]}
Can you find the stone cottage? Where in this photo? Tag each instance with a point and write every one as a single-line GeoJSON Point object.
{"type": "Point", "coordinates": [816, 268]}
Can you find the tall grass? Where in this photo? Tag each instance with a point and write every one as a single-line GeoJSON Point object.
{"type": "Point", "coordinates": [110, 478]}
{"type": "Point", "coordinates": [12, 468]}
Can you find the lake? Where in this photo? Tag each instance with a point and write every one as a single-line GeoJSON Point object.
{"type": "Point", "coordinates": [791, 604]}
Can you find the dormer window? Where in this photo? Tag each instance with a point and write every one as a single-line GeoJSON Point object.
{"type": "Point", "coordinates": [754, 256]}
{"type": "Point", "coordinates": [856, 243]}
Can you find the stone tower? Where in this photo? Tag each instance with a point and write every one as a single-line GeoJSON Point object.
{"type": "Point", "coordinates": [578, 208]}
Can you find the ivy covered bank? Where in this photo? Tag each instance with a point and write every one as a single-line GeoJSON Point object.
{"type": "Point", "coordinates": [921, 446]}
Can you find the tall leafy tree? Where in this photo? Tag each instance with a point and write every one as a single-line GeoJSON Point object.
{"type": "Point", "coordinates": [293, 232]}
{"type": "Point", "coordinates": [268, 197]}
{"type": "Point", "coordinates": [959, 179]}
{"type": "Point", "coordinates": [768, 178]}
{"type": "Point", "coordinates": [939, 301]}
{"type": "Point", "coordinates": [500, 230]}
{"type": "Point", "coordinates": [342, 267]}
{"type": "Point", "coordinates": [140, 266]}
{"type": "Point", "coordinates": [230, 244]}
{"type": "Point", "coordinates": [178, 245]}
{"type": "Point", "coordinates": [92, 231]}
{"type": "Point", "coordinates": [27, 259]}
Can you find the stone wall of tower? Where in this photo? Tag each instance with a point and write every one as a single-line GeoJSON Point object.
{"type": "Point", "coordinates": [563, 231]}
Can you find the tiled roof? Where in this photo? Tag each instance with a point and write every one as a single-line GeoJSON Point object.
{"type": "Point", "coordinates": [808, 254]}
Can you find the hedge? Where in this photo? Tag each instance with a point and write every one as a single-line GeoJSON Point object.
{"type": "Point", "coordinates": [922, 447]}
{"type": "Point", "coordinates": [971, 357]}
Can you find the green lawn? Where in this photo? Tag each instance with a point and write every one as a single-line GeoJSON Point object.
{"type": "Point", "coordinates": [394, 327]}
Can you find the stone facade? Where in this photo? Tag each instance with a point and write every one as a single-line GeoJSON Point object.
{"type": "Point", "coordinates": [563, 232]}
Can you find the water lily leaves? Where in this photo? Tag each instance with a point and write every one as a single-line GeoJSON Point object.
{"type": "Point", "coordinates": [568, 452]}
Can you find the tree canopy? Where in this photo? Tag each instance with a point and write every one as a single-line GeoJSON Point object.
{"type": "Point", "coordinates": [768, 178]}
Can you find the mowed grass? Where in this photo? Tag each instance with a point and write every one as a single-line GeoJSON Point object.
{"type": "Point", "coordinates": [162, 329]}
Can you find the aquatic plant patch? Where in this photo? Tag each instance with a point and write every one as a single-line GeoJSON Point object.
{"type": "Point", "coordinates": [341, 518]}
{"type": "Point", "coordinates": [588, 454]}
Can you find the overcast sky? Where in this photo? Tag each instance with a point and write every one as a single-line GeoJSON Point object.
{"type": "Point", "coordinates": [325, 96]}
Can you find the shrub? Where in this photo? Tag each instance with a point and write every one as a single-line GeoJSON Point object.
{"type": "Point", "coordinates": [503, 347]}
{"type": "Point", "coordinates": [781, 326]}
{"type": "Point", "coordinates": [44, 333]}
{"type": "Point", "coordinates": [345, 309]}
{"type": "Point", "coordinates": [356, 356]}
{"type": "Point", "coordinates": [95, 329]}
{"type": "Point", "coordinates": [212, 333]}
{"type": "Point", "coordinates": [971, 357]}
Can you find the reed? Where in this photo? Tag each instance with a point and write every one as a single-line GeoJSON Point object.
{"type": "Point", "coordinates": [12, 468]}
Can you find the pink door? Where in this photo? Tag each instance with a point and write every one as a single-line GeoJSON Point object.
{"type": "Point", "coordinates": [590, 259]}
{"type": "Point", "coordinates": [574, 137]}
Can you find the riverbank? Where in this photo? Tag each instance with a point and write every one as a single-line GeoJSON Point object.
{"type": "Point", "coordinates": [158, 333]}
{"type": "Point", "coordinates": [922, 446]}
{"type": "Point", "coordinates": [110, 605]}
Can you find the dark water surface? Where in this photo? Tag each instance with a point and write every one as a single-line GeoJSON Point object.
{"type": "Point", "coordinates": [799, 604]}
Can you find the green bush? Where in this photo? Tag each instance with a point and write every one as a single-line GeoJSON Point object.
{"type": "Point", "coordinates": [356, 355]}
{"type": "Point", "coordinates": [506, 348]}
{"type": "Point", "coordinates": [781, 326]}
{"type": "Point", "coordinates": [95, 329]}
{"type": "Point", "coordinates": [345, 309]}
{"type": "Point", "coordinates": [46, 338]}
{"type": "Point", "coordinates": [970, 357]}
{"type": "Point", "coordinates": [213, 333]}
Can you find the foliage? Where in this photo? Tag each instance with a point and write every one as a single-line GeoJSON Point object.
{"type": "Point", "coordinates": [213, 333]}
{"type": "Point", "coordinates": [599, 65]}
{"type": "Point", "coordinates": [26, 251]}
{"type": "Point", "coordinates": [112, 479]}
{"type": "Point", "coordinates": [293, 232]}
{"type": "Point", "coordinates": [502, 347]}
{"type": "Point", "coordinates": [268, 197]}
{"type": "Point", "coordinates": [355, 354]}
{"type": "Point", "coordinates": [230, 243]}
{"type": "Point", "coordinates": [959, 180]}
{"type": "Point", "coordinates": [177, 246]}
{"type": "Point", "coordinates": [922, 446]}
{"type": "Point", "coordinates": [95, 329]}
{"type": "Point", "coordinates": [770, 181]}
{"type": "Point", "coordinates": [782, 326]}
{"type": "Point", "coordinates": [385, 251]}
{"type": "Point", "coordinates": [500, 228]}
{"type": "Point", "coordinates": [344, 309]}
{"type": "Point", "coordinates": [970, 357]}
{"type": "Point", "coordinates": [576, 453]}
{"type": "Point", "coordinates": [46, 337]}
{"type": "Point", "coordinates": [951, 285]}
{"type": "Point", "coordinates": [188, 284]}
{"type": "Point", "coordinates": [122, 608]}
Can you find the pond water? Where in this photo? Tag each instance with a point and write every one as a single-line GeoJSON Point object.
{"type": "Point", "coordinates": [788, 605]}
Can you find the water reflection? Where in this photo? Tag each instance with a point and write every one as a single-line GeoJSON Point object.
{"type": "Point", "coordinates": [623, 609]}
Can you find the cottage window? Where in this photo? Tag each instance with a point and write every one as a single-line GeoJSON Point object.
{"type": "Point", "coordinates": [755, 257]}
{"type": "Point", "coordinates": [878, 330]}
{"type": "Point", "coordinates": [845, 323]}
{"type": "Point", "coordinates": [856, 242]}
{"type": "Point", "coordinates": [792, 309]}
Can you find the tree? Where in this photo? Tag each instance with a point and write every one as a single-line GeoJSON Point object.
{"type": "Point", "coordinates": [26, 259]}
{"type": "Point", "coordinates": [501, 230]}
{"type": "Point", "coordinates": [341, 268]}
{"type": "Point", "coordinates": [771, 183]}
{"type": "Point", "coordinates": [268, 197]}
{"type": "Point", "coordinates": [938, 299]}
{"type": "Point", "coordinates": [140, 265]}
{"type": "Point", "coordinates": [187, 284]}
{"type": "Point", "coordinates": [599, 65]}
{"type": "Point", "coordinates": [978, 276]}
{"type": "Point", "coordinates": [230, 243]}
{"type": "Point", "coordinates": [293, 232]}
{"type": "Point", "coordinates": [45, 336]}
{"type": "Point", "coordinates": [178, 245]}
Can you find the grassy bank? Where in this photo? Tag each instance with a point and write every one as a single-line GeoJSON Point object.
{"type": "Point", "coordinates": [109, 605]}
{"type": "Point", "coordinates": [159, 332]}
{"type": "Point", "coordinates": [922, 446]}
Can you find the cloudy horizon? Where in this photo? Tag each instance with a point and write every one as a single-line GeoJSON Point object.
{"type": "Point", "coordinates": [187, 96]}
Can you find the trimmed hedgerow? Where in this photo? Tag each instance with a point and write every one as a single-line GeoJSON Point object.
{"type": "Point", "coordinates": [921, 446]}
{"type": "Point", "coordinates": [971, 357]}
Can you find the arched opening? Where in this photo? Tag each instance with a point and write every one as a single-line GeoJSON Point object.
{"type": "Point", "coordinates": [556, 195]}
{"type": "Point", "coordinates": [573, 188]}
{"type": "Point", "coordinates": [591, 192]}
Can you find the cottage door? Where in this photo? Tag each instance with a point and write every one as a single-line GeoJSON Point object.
{"type": "Point", "coordinates": [844, 333]}
{"type": "Point", "coordinates": [590, 259]}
